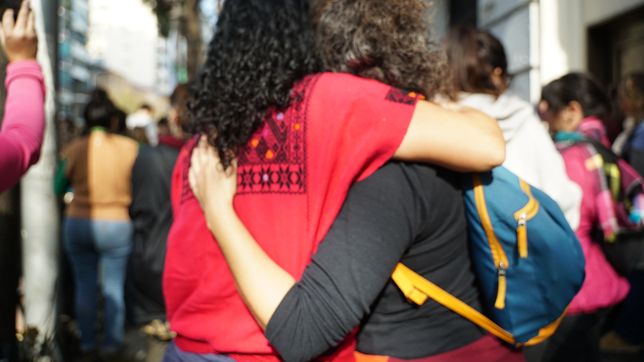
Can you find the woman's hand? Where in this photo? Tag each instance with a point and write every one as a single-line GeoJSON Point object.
{"type": "Point", "coordinates": [18, 37]}
{"type": "Point", "coordinates": [261, 282]}
{"type": "Point", "coordinates": [213, 186]}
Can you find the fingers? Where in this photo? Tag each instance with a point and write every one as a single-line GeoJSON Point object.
{"type": "Point", "coordinates": [195, 168]}
{"type": "Point", "coordinates": [205, 156]}
{"type": "Point", "coordinates": [31, 25]}
{"type": "Point", "coordinates": [7, 22]}
{"type": "Point", "coordinates": [232, 170]}
{"type": "Point", "coordinates": [192, 179]}
{"type": "Point", "coordinates": [23, 15]}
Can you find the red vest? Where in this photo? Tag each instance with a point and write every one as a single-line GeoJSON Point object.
{"type": "Point", "coordinates": [293, 178]}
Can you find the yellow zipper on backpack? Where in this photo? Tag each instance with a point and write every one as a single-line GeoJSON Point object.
{"type": "Point", "coordinates": [522, 216]}
{"type": "Point", "coordinates": [498, 254]}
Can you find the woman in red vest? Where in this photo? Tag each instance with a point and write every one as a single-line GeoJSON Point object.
{"type": "Point", "coordinates": [301, 138]}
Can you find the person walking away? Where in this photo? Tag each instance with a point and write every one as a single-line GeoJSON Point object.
{"type": "Point", "coordinates": [574, 106]}
{"type": "Point", "coordinates": [97, 230]}
{"type": "Point", "coordinates": [151, 214]}
{"type": "Point", "coordinates": [628, 331]}
{"type": "Point", "coordinates": [143, 121]}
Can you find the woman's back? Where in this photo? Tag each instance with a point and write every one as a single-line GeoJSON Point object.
{"type": "Point", "coordinates": [405, 213]}
{"type": "Point", "coordinates": [439, 252]}
{"type": "Point", "coordinates": [99, 168]}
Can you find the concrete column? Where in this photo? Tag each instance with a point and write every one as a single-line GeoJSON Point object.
{"type": "Point", "coordinates": [40, 221]}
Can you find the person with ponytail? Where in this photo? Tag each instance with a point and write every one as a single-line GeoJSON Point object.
{"type": "Point", "coordinates": [574, 106]}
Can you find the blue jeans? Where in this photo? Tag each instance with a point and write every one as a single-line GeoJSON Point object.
{"type": "Point", "coordinates": [99, 250]}
{"type": "Point", "coordinates": [174, 354]}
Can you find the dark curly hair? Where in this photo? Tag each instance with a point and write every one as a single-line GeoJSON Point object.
{"type": "Point", "coordinates": [385, 40]}
{"type": "Point", "coordinates": [259, 50]}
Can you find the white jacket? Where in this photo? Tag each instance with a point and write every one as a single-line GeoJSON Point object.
{"type": "Point", "coordinates": [530, 152]}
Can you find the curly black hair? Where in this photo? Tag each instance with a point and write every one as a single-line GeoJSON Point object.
{"type": "Point", "coordinates": [259, 50]}
{"type": "Point", "coordinates": [389, 41]}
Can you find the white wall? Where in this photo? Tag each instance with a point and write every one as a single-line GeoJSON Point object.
{"type": "Point", "coordinates": [563, 38]}
{"type": "Point", "coordinates": [597, 11]}
{"type": "Point", "coordinates": [40, 222]}
{"type": "Point", "coordinates": [513, 22]}
{"type": "Point", "coordinates": [563, 32]}
{"type": "Point", "coordinates": [439, 18]}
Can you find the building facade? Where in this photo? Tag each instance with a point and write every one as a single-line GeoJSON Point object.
{"type": "Point", "coordinates": [76, 69]}
{"type": "Point", "coordinates": [546, 39]}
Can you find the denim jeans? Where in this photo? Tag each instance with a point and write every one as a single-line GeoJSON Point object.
{"type": "Point", "coordinates": [174, 354]}
{"type": "Point", "coordinates": [99, 250]}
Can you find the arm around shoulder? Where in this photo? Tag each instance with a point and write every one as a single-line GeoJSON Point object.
{"type": "Point", "coordinates": [461, 140]}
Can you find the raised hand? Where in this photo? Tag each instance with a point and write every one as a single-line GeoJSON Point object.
{"type": "Point", "coordinates": [18, 37]}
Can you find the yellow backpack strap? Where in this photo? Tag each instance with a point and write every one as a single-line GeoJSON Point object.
{"type": "Point", "coordinates": [417, 289]}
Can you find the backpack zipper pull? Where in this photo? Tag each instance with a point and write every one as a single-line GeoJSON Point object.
{"type": "Point", "coordinates": [500, 295]}
{"type": "Point", "coordinates": [522, 236]}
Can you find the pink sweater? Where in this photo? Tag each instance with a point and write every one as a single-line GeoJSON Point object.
{"type": "Point", "coordinates": [24, 121]}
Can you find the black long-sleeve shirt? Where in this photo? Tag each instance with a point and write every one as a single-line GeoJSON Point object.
{"type": "Point", "coordinates": [151, 215]}
{"type": "Point", "coordinates": [408, 213]}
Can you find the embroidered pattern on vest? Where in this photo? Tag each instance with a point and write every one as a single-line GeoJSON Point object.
{"type": "Point", "coordinates": [404, 97]}
{"type": "Point", "coordinates": [274, 161]}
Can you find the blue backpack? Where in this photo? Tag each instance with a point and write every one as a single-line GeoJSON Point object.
{"type": "Point", "coordinates": [528, 261]}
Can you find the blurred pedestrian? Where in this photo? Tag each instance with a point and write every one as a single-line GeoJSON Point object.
{"type": "Point", "coordinates": [574, 106]}
{"type": "Point", "coordinates": [23, 125]}
{"type": "Point", "coordinates": [97, 228]}
{"type": "Point", "coordinates": [151, 214]}
{"type": "Point", "coordinates": [480, 76]}
{"type": "Point", "coordinates": [630, 97]}
{"type": "Point", "coordinates": [144, 119]}
{"type": "Point", "coordinates": [628, 331]}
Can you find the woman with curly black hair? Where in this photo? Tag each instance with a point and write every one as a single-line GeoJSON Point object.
{"type": "Point", "coordinates": [300, 138]}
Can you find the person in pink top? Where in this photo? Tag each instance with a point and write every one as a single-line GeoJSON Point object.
{"type": "Point", "coordinates": [23, 125]}
{"type": "Point", "coordinates": [574, 106]}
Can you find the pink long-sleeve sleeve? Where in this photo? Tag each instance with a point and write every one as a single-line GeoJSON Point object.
{"type": "Point", "coordinates": [24, 121]}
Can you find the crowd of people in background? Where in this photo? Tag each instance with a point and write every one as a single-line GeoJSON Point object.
{"type": "Point", "coordinates": [322, 143]}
